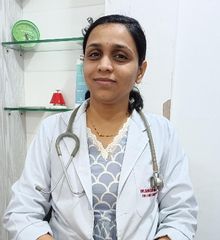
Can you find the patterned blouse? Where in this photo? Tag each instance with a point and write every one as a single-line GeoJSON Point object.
{"type": "Point", "coordinates": [105, 164]}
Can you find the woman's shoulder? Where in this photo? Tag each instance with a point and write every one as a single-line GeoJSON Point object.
{"type": "Point", "coordinates": [152, 118]}
{"type": "Point", "coordinates": [159, 123]}
{"type": "Point", "coordinates": [65, 116]}
{"type": "Point", "coordinates": [163, 127]}
{"type": "Point", "coordinates": [57, 117]}
{"type": "Point", "coordinates": [53, 124]}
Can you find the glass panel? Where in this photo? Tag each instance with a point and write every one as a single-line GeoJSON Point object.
{"type": "Point", "coordinates": [45, 45]}
{"type": "Point", "coordinates": [38, 109]}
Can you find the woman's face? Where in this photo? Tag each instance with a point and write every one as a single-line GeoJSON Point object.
{"type": "Point", "coordinates": [111, 64]}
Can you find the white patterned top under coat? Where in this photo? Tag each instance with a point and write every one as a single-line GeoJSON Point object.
{"type": "Point", "coordinates": [106, 166]}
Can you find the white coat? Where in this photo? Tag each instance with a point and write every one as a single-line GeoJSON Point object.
{"type": "Point", "coordinates": [139, 215]}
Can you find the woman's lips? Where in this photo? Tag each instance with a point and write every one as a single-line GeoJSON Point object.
{"type": "Point", "coordinates": [104, 81]}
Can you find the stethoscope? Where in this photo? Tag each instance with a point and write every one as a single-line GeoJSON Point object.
{"type": "Point", "coordinates": [156, 181]}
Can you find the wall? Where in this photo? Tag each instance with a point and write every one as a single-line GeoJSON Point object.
{"type": "Point", "coordinates": [158, 19]}
{"type": "Point", "coordinates": [44, 72]}
{"type": "Point", "coordinates": [12, 130]}
{"type": "Point", "coordinates": [195, 104]}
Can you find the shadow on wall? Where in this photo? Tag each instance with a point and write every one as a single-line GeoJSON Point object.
{"type": "Point", "coordinates": [166, 108]}
{"type": "Point", "coordinates": [22, 3]}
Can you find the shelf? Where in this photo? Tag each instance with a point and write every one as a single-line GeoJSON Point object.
{"type": "Point", "coordinates": [46, 45]}
{"type": "Point", "coordinates": [37, 109]}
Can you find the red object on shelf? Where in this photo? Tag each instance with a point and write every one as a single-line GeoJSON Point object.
{"type": "Point", "coordinates": [57, 98]}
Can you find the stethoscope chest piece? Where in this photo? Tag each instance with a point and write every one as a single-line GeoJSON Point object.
{"type": "Point", "coordinates": [156, 182]}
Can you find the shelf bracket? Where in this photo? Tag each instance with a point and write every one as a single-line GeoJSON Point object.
{"type": "Point", "coordinates": [21, 113]}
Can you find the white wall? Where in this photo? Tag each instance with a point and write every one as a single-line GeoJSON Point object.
{"type": "Point", "coordinates": [196, 104]}
{"type": "Point", "coordinates": [12, 130]}
{"type": "Point", "coordinates": [159, 21]}
{"type": "Point", "coordinates": [44, 72]}
{"type": "Point", "coordinates": [48, 71]}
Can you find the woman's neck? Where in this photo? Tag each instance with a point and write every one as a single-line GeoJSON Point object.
{"type": "Point", "coordinates": [107, 112]}
{"type": "Point", "coordinates": [105, 121]}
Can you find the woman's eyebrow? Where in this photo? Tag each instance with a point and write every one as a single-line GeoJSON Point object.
{"type": "Point", "coordinates": [94, 45]}
{"type": "Point", "coordinates": [119, 46]}
{"type": "Point", "coordinates": [116, 46]}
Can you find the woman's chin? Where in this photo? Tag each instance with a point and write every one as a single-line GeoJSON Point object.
{"type": "Point", "coordinates": [108, 100]}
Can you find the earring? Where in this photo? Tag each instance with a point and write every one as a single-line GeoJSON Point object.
{"type": "Point", "coordinates": [135, 89]}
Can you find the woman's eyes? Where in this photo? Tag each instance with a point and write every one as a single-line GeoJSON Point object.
{"type": "Point", "coordinates": [94, 55]}
{"type": "Point", "coordinates": [119, 57]}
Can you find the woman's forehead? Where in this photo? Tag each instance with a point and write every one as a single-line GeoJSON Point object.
{"type": "Point", "coordinates": [111, 34]}
{"type": "Point", "coordinates": [111, 28]}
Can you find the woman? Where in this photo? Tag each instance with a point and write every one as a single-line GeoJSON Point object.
{"type": "Point", "coordinates": [109, 194]}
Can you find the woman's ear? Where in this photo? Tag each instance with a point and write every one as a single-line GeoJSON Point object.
{"type": "Point", "coordinates": [141, 71]}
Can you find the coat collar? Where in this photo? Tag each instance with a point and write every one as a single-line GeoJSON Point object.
{"type": "Point", "coordinates": [66, 116]}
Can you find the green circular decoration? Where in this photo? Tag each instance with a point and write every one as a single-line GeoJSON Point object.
{"type": "Point", "coordinates": [24, 30]}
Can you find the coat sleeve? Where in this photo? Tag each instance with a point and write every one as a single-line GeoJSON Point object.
{"type": "Point", "coordinates": [24, 215]}
{"type": "Point", "coordinates": [177, 204]}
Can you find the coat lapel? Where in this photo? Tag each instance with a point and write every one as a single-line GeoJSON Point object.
{"type": "Point", "coordinates": [136, 143]}
{"type": "Point", "coordinates": [81, 162]}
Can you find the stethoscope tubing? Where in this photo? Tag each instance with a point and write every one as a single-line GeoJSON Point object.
{"type": "Point", "coordinates": [62, 175]}
{"type": "Point", "coordinates": [155, 181]}
{"type": "Point", "coordinates": [68, 134]}
{"type": "Point", "coordinates": [77, 194]}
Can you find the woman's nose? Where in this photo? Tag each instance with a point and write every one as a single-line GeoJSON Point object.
{"type": "Point", "coordinates": [105, 64]}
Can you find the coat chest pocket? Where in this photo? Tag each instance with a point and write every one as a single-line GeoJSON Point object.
{"type": "Point", "coordinates": [146, 197]}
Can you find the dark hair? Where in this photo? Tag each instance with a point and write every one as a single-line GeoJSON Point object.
{"type": "Point", "coordinates": [134, 28]}
{"type": "Point", "coordinates": [135, 100]}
